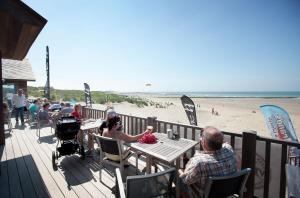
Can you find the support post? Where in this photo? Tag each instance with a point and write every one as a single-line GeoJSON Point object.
{"type": "Point", "coordinates": [2, 137]}
{"type": "Point", "coordinates": [248, 160]}
{"type": "Point", "coordinates": [83, 111]}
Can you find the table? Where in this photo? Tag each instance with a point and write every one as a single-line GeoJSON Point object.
{"type": "Point", "coordinates": [292, 180]}
{"type": "Point", "coordinates": [165, 150]}
{"type": "Point", "coordinates": [90, 124]}
{"type": "Point", "coordinates": [87, 125]}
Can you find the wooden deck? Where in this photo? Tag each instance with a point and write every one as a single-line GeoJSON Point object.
{"type": "Point", "coordinates": [26, 169]}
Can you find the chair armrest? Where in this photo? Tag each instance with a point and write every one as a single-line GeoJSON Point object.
{"type": "Point", "coordinates": [120, 184]}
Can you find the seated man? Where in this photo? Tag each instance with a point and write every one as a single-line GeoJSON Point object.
{"type": "Point", "coordinates": [217, 159]}
{"type": "Point", "coordinates": [44, 116]}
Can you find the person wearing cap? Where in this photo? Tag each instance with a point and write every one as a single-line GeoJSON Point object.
{"type": "Point", "coordinates": [109, 114]}
{"type": "Point", "coordinates": [113, 129]}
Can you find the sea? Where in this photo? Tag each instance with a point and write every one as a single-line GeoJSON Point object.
{"type": "Point", "coordinates": [254, 94]}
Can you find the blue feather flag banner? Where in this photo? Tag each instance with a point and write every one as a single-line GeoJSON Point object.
{"type": "Point", "coordinates": [279, 123]}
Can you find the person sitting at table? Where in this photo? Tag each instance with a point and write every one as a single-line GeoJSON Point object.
{"type": "Point", "coordinates": [44, 117]}
{"type": "Point", "coordinates": [78, 115]}
{"type": "Point", "coordinates": [110, 112]}
{"type": "Point", "coordinates": [77, 111]}
{"type": "Point", "coordinates": [114, 130]}
{"type": "Point", "coordinates": [216, 159]}
{"type": "Point", "coordinates": [62, 105]}
{"type": "Point", "coordinates": [34, 109]}
{"type": "Point", "coordinates": [67, 110]}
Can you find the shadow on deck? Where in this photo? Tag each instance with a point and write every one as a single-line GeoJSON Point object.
{"type": "Point", "coordinates": [26, 169]}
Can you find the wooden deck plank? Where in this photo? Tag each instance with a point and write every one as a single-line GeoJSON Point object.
{"type": "Point", "coordinates": [68, 178]}
{"type": "Point", "coordinates": [36, 178]}
{"type": "Point", "coordinates": [35, 160]}
{"type": "Point", "coordinates": [25, 179]}
{"type": "Point", "coordinates": [84, 179]}
{"type": "Point", "coordinates": [94, 167]}
{"type": "Point", "coordinates": [13, 175]}
{"type": "Point", "coordinates": [51, 184]}
{"type": "Point", "coordinates": [4, 183]}
{"type": "Point", "coordinates": [83, 173]}
{"type": "Point", "coordinates": [85, 167]}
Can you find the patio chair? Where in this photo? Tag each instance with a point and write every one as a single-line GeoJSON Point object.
{"type": "Point", "coordinates": [150, 185]}
{"type": "Point", "coordinates": [42, 124]}
{"type": "Point", "coordinates": [225, 186]}
{"type": "Point", "coordinates": [114, 147]}
{"type": "Point", "coordinates": [33, 120]}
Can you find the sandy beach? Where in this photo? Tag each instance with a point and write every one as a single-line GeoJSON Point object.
{"type": "Point", "coordinates": [235, 114]}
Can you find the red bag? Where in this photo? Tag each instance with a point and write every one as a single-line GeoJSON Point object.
{"type": "Point", "coordinates": [148, 138]}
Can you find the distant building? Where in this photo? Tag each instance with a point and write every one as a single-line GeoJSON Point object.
{"type": "Point", "coordinates": [15, 75]}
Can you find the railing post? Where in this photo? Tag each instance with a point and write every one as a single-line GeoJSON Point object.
{"type": "Point", "coordinates": [152, 121]}
{"type": "Point", "coordinates": [248, 159]}
{"type": "Point", "coordinates": [83, 111]}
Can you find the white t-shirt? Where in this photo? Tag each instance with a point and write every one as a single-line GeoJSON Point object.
{"type": "Point", "coordinates": [19, 101]}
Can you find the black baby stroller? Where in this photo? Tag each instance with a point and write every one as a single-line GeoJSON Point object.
{"type": "Point", "coordinates": [66, 132]}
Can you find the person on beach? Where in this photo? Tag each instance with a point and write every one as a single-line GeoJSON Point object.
{"type": "Point", "coordinates": [19, 103]}
{"type": "Point", "coordinates": [114, 130]}
{"type": "Point", "coordinates": [216, 159]}
{"type": "Point", "coordinates": [212, 111]}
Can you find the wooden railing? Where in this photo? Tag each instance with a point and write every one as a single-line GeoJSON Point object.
{"type": "Point", "coordinates": [253, 151]}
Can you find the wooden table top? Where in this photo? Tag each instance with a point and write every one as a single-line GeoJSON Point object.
{"type": "Point", "coordinates": [90, 124]}
{"type": "Point", "coordinates": [165, 149]}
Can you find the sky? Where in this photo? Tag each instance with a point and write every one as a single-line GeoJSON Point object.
{"type": "Point", "coordinates": [176, 45]}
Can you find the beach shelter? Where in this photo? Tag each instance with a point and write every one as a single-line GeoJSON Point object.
{"type": "Point", "coordinates": [19, 27]}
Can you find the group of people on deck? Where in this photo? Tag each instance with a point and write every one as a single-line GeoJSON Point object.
{"type": "Point", "coordinates": [216, 159]}
{"type": "Point", "coordinates": [38, 108]}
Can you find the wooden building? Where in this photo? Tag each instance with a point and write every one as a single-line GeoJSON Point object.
{"type": "Point", "coordinates": [15, 75]}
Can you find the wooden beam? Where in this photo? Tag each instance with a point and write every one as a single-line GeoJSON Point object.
{"type": "Point", "coordinates": [2, 138]}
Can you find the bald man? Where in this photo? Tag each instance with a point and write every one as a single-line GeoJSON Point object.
{"type": "Point", "coordinates": [216, 159]}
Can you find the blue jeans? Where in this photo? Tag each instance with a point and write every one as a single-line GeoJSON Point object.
{"type": "Point", "coordinates": [20, 111]}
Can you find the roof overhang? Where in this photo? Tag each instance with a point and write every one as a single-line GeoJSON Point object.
{"type": "Point", "coordinates": [19, 27]}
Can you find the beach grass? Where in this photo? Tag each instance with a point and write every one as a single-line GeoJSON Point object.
{"type": "Point", "coordinates": [78, 95]}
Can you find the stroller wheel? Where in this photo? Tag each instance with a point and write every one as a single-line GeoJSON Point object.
{"type": "Point", "coordinates": [82, 153]}
{"type": "Point", "coordinates": [53, 161]}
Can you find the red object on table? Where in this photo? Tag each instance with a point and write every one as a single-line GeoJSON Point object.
{"type": "Point", "coordinates": [148, 138]}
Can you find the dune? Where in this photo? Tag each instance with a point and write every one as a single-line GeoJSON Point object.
{"type": "Point", "coordinates": [235, 114]}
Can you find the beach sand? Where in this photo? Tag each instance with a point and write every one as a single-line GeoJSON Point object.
{"type": "Point", "coordinates": [235, 114]}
